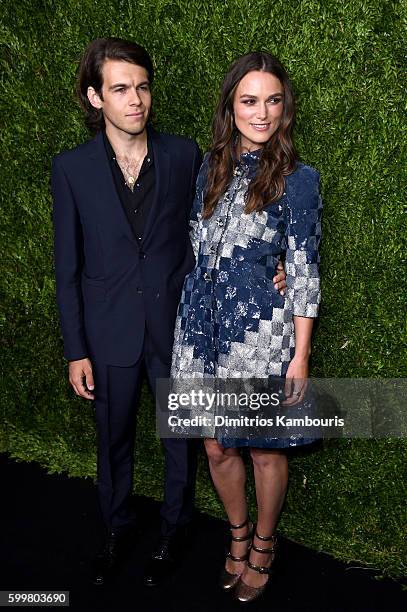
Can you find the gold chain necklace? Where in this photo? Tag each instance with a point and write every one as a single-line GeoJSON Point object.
{"type": "Point", "coordinates": [130, 168]}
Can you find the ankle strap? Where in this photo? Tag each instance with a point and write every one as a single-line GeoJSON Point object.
{"type": "Point", "coordinates": [246, 537]}
{"type": "Point", "coordinates": [259, 568]}
{"type": "Point", "coordinates": [264, 538]}
{"type": "Point", "coordinates": [246, 522]}
{"type": "Point", "coordinates": [270, 550]}
{"type": "Point", "coordinates": [239, 559]}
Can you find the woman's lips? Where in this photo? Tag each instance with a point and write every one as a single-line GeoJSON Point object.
{"type": "Point", "coordinates": [260, 127]}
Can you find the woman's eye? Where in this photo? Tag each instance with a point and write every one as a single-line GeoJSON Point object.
{"type": "Point", "coordinates": [248, 102]}
{"type": "Point", "coordinates": [275, 100]}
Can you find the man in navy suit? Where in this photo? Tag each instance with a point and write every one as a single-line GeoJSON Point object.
{"type": "Point", "coordinates": [122, 250]}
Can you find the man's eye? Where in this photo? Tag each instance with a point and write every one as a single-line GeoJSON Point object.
{"type": "Point", "coordinates": [120, 90]}
{"type": "Point", "coordinates": [144, 88]}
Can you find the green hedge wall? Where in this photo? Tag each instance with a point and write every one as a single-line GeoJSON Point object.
{"type": "Point", "coordinates": [345, 60]}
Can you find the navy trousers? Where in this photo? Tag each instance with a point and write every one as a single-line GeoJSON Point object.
{"type": "Point", "coordinates": [117, 392]}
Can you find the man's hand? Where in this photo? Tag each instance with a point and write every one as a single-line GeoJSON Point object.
{"type": "Point", "coordinates": [279, 279]}
{"type": "Point", "coordinates": [81, 378]}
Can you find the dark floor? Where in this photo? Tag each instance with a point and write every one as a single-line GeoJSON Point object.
{"type": "Point", "coordinates": [51, 529]}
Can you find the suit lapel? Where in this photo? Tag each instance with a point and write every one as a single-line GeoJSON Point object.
{"type": "Point", "coordinates": [105, 188]}
{"type": "Point", "coordinates": [162, 174]}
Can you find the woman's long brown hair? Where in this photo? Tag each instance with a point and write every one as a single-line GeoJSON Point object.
{"type": "Point", "coordinates": [278, 156]}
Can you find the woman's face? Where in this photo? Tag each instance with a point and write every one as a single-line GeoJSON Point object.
{"type": "Point", "coordinates": [257, 107]}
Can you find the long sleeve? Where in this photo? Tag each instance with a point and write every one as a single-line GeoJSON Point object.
{"type": "Point", "coordinates": [303, 237]}
{"type": "Point", "coordinates": [68, 256]}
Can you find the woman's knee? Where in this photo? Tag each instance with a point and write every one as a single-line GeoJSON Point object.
{"type": "Point", "coordinates": [268, 459]}
{"type": "Point", "coordinates": [216, 452]}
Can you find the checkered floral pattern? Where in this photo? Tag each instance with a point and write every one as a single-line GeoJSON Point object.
{"type": "Point", "coordinates": [231, 321]}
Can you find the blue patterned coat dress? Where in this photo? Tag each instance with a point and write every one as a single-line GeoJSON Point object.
{"type": "Point", "coordinates": [231, 320]}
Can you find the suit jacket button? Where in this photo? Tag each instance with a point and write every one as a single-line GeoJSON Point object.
{"type": "Point", "coordinates": [142, 255]}
{"type": "Point", "coordinates": [139, 290]}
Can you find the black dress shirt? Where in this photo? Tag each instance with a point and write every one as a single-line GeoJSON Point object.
{"type": "Point", "coordinates": [137, 203]}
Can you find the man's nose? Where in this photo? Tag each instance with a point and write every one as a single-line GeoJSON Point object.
{"type": "Point", "coordinates": [135, 99]}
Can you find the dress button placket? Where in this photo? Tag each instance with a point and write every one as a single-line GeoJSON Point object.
{"type": "Point", "coordinates": [228, 199]}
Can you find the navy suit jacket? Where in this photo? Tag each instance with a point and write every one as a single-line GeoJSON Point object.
{"type": "Point", "coordinates": [109, 288]}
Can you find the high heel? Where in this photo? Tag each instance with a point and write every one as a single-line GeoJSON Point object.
{"type": "Point", "coordinates": [227, 579]}
{"type": "Point", "coordinates": [245, 593]}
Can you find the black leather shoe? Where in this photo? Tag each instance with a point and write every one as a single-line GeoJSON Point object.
{"type": "Point", "coordinates": [109, 559]}
{"type": "Point", "coordinates": [165, 558]}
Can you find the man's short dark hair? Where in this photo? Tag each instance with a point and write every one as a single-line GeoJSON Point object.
{"type": "Point", "coordinates": [90, 71]}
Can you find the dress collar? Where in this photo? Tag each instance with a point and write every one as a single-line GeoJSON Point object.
{"type": "Point", "coordinates": [250, 158]}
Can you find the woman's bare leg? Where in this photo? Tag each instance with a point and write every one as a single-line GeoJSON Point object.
{"type": "Point", "coordinates": [271, 478]}
{"type": "Point", "coordinates": [229, 477]}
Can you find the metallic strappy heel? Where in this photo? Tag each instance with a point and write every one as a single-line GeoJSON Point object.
{"type": "Point", "coordinates": [227, 579]}
{"type": "Point", "coordinates": [246, 593]}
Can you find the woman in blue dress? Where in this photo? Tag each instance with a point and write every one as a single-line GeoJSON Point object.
{"type": "Point", "coordinates": [255, 205]}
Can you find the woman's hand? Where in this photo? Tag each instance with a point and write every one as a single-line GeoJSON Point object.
{"type": "Point", "coordinates": [279, 279]}
{"type": "Point", "coordinates": [296, 381]}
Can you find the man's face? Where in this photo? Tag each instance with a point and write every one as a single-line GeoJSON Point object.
{"type": "Point", "coordinates": [126, 97]}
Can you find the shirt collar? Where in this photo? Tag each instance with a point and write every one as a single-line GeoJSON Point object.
{"type": "Point", "coordinates": [112, 155]}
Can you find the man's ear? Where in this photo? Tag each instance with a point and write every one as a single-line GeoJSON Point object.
{"type": "Point", "coordinates": [94, 98]}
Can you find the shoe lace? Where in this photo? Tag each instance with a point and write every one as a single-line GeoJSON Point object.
{"type": "Point", "coordinates": [111, 542]}
{"type": "Point", "coordinates": [163, 549]}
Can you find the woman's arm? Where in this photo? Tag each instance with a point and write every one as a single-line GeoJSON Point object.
{"type": "Point", "coordinates": [297, 372]}
{"type": "Point", "coordinates": [303, 283]}
{"type": "Point", "coordinates": [303, 329]}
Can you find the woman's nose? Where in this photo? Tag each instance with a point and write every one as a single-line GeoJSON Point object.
{"type": "Point", "coordinates": [262, 110]}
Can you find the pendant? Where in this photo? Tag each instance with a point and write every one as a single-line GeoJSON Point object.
{"type": "Point", "coordinates": [131, 180]}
